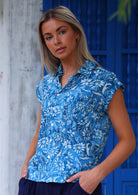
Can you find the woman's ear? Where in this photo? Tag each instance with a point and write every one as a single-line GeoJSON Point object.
{"type": "Point", "coordinates": [77, 36]}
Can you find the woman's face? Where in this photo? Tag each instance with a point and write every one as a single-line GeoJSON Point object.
{"type": "Point", "coordinates": [60, 39]}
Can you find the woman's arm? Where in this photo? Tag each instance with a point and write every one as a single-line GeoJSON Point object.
{"type": "Point", "coordinates": [122, 126]}
{"type": "Point", "coordinates": [126, 145]}
{"type": "Point", "coordinates": [32, 147]}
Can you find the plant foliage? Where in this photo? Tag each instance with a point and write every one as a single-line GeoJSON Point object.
{"type": "Point", "coordinates": [124, 10]}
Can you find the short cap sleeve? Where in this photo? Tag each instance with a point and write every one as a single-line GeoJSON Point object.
{"type": "Point", "coordinates": [112, 84]}
{"type": "Point", "coordinates": [39, 92]}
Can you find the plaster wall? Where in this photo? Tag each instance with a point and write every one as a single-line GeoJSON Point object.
{"type": "Point", "coordinates": [20, 70]}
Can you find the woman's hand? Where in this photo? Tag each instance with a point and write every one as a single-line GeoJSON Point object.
{"type": "Point", "coordinates": [88, 180]}
{"type": "Point", "coordinates": [24, 171]}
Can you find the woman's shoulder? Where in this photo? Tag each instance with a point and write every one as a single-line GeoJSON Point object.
{"type": "Point", "coordinates": [43, 86]}
{"type": "Point", "coordinates": [104, 77]}
{"type": "Point", "coordinates": [97, 69]}
{"type": "Point", "coordinates": [103, 74]}
{"type": "Point", "coordinates": [47, 79]}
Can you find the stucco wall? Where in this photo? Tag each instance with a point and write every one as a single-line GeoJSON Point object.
{"type": "Point", "coordinates": [20, 70]}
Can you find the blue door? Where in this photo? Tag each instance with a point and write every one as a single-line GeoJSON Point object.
{"type": "Point", "coordinates": [115, 46]}
{"type": "Point", "coordinates": [126, 176]}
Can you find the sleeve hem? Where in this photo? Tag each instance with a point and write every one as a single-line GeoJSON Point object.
{"type": "Point", "coordinates": [112, 94]}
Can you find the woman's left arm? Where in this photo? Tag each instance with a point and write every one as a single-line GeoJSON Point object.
{"type": "Point", "coordinates": [120, 120]}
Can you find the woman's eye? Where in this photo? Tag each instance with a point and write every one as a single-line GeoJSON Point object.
{"type": "Point", "coordinates": [48, 38]}
{"type": "Point", "coordinates": [62, 32]}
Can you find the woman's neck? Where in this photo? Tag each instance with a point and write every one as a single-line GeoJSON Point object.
{"type": "Point", "coordinates": [70, 68]}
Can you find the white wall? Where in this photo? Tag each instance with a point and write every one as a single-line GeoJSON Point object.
{"type": "Point", "coordinates": [20, 70]}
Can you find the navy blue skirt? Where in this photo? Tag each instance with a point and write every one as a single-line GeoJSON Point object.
{"type": "Point", "coordinates": [28, 187]}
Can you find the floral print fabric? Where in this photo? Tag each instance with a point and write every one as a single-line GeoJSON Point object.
{"type": "Point", "coordinates": [74, 122]}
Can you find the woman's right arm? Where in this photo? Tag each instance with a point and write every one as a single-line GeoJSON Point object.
{"type": "Point", "coordinates": [32, 148]}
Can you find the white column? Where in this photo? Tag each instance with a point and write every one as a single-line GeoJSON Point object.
{"type": "Point", "coordinates": [20, 70]}
{"type": "Point", "coordinates": [4, 97]}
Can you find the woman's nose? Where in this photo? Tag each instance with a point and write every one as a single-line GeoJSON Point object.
{"type": "Point", "coordinates": [56, 40]}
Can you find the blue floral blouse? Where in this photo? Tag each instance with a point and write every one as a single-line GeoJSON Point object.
{"type": "Point", "coordinates": [74, 123]}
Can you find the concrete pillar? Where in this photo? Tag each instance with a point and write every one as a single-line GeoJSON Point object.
{"type": "Point", "coordinates": [4, 97]}
{"type": "Point", "coordinates": [20, 70]}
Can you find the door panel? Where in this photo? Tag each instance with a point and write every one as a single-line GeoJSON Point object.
{"type": "Point", "coordinates": [127, 69]}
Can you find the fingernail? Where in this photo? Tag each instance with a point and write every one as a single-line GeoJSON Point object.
{"type": "Point", "coordinates": [68, 180]}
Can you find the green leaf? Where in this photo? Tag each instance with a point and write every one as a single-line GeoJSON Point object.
{"type": "Point", "coordinates": [113, 15]}
{"type": "Point", "coordinates": [129, 9]}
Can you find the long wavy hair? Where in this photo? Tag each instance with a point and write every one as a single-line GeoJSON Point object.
{"type": "Point", "coordinates": [48, 60]}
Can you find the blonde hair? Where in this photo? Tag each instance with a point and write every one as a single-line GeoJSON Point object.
{"type": "Point", "coordinates": [48, 60]}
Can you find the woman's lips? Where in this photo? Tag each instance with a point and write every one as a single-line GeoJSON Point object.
{"type": "Point", "coordinates": [60, 50]}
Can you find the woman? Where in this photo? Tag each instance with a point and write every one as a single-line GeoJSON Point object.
{"type": "Point", "coordinates": [78, 102]}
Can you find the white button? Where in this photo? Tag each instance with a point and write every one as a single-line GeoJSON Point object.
{"type": "Point", "coordinates": [50, 140]}
{"type": "Point", "coordinates": [48, 156]}
{"type": "Point", "coordinates": [52, 124]}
